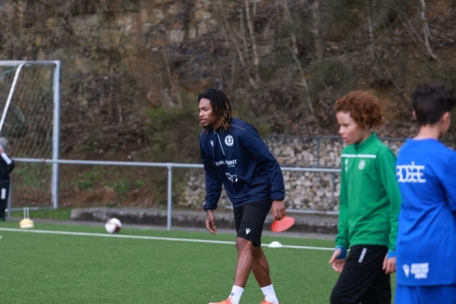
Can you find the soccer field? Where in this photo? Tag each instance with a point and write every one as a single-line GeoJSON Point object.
{"type": "Point", "coordinates": [55, 263]}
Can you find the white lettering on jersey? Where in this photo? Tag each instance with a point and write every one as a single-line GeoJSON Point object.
{"type": "Point", "coordinates": [420, 270]}
{"type": "Point", "coordinates": [231, 177]}
{"type": "Point", "coordinates": [231, 163]}
{"type": "Point", "coordinates": [247, 230]}
{"type": "Point", "coordinates": [410, 173]}
{"type": "Point", "coordinates": [228, 162]}
{"type": "Point", "coordinates": [219, 163]}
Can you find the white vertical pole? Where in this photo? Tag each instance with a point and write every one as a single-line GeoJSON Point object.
{"type": "Point", "coordinates": [56, 137]}
{"type": "Point", "coordinates": [170, 197]}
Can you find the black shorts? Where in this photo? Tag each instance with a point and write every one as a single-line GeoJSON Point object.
{"type": "Point", "coordinates": [362, 279]}
{"type": "Point", "coordinates": [249, 220]}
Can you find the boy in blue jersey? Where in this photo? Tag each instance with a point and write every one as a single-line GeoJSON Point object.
{"type": "Point", "coordinates": [234, 155]}
{"type": "Point", "coordinates": [426, 173]}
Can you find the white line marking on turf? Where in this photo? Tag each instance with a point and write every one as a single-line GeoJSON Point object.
{"type": "Point", "coordinates": [149, 238]}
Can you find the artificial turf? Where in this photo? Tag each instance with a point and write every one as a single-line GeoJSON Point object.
{"type": "Point", "coordinates": [90, 268]}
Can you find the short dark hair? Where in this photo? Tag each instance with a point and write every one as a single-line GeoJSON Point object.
{"type": "Point", "coordinates": [221, 107]}
{"type": "Point", "coordinates": [430, 102]}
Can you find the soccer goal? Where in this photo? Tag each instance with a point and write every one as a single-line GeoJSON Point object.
{"type": "Point", "coordinates": [30, 110]}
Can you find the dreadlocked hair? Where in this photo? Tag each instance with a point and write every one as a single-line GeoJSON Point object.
{"type": "Point", "coordinates": [221, 107]}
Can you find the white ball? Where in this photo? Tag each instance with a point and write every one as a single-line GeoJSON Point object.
{"type": "Point", "coordinates": [113, 225]}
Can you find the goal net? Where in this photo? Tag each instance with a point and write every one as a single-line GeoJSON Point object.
{"type": "Point", "coordinates": [29, 105]}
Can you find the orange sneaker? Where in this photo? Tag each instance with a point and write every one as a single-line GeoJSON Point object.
{"type": "Point", "coordinates": [227, 301]}
{"type": "Point", "coordinates": [266, 302]}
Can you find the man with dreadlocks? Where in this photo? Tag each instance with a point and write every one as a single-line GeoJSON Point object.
{"type": "Point", "coordinates": [234, 154]}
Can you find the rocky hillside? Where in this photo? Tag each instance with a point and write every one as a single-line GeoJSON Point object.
{"type": "Point", "coordinates": [131, 70]}
{"type": "Point", "coordinates": [284, 59]}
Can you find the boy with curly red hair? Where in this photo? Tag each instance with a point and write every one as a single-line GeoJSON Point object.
{"type": "Point", "coordinates": [369, 205]}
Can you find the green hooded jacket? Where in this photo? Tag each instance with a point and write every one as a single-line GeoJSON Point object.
{"type": "Point", "coordinates": [369, 195]}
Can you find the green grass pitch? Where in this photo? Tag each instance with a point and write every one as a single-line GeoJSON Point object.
{"type": "Point", "coordinates": [90, 268]}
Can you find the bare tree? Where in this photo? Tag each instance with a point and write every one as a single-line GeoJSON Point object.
{"type": "Point", "coordinates": [173, 84]}
{"type": "Point", "coordinates": [369, 20]}
{"type": "Point", "coordinates": [294, 52]}
{"type": "Point", "coordinates": [256, 60]}
{"type": "Point", "coordinates": [289, 20]}
{"type": "Point", "coordinates": [425, 40]}
{"type": "Point", "coordinates": [426, 33]}
{"type": "Point", "coordinates": [235, 44]}
{"type": "Point", "coordinates": [243, 32]}
{"type": "Point", "coordinates": [319, 42]}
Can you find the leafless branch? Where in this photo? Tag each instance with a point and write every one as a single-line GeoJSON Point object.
{"type": "Point", "coordinates": [236, 46]}
{"type": "Point", "coordinates": [427, 34]}
{"type": "Point", "coordinates": [294, 51]}
{"type": "Point", "coordinates": [256, 60]}
{"type": "Point", "coordinates": [243, 31]}
{"type": "Point", "coordinates": [369, 21]}
{"type": "Point", "coordinates": [170, 79]}
{"type": "Point", "coordinates": [290, 22]}
{"type": "Point", "coordinates": [319, 43]}
{"type": "Point", "coordinates": [303, 82]}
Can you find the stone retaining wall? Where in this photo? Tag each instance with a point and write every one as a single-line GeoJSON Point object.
{"type": "Point", "coordinates": [315, 191]}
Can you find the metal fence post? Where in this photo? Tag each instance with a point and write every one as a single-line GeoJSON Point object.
{"type": "Point", "coordinates": [333, 191]}
{"type": "Point", "coordinates": [170, 196]}
{"type": "Point", "coordinates": [56, 137]}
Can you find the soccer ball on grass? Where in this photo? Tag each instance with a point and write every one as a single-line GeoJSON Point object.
{"type": "Point", "coordinates": [113, 225]}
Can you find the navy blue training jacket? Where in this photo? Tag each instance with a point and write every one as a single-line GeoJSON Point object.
{"type": "Point", "coordinates": [240, 160]}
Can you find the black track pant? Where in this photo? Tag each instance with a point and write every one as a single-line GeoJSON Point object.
{"type": "Point", "coordinates": [362, 279]}
{"type": "Point", "coordinates": [4, 192]}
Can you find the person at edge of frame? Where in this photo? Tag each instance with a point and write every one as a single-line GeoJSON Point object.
{"type": "Point", "coordinates": [6, 167]}
{"type": "Point", "coordinates": [234, 155]}
{"type": "Point", "coordinates": [369, 205]}
{"type": "Point", "coordinates": [426, 173]}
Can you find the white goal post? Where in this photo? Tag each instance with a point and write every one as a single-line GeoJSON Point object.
{"type": "Point", "coordinates": [30, 113]}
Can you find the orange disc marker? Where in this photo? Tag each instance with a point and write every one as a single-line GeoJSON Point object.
{"type": "Point", "coordinates": [283, 224]}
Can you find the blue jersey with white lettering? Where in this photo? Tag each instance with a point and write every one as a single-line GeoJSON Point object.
{"type": "Point", "coordinates": [426, 241]}
{"type": "Point", "coordinates": [240, 160]}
